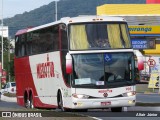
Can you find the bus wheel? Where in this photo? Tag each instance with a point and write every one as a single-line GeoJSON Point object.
{"type": "Point", "coordinates": [84, 110]}
{"type": "Point", "coordinates": [60, 103]}
{"type": "Point", "coordinates": [81, 110]}
{"type": "Point", "coordinates": [116, 109]}
{"type": "Point", "coordinates": [26, 103]}
{"type": "Point", "coordinates": [31, 102]}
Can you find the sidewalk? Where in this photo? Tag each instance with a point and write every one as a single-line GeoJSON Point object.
{"type": "Point", "coordinates": [8, 99]}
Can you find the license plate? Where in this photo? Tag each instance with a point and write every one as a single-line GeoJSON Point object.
{"type": "Point", "coordinates": [105, 103]}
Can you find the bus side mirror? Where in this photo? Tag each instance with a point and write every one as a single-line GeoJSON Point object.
{"type": "Point", "coordinates": [139, 60]}
{"type": "Point", "coordinates": [69, 64]}
{"type": "Point", "coordinates": [140, 63]}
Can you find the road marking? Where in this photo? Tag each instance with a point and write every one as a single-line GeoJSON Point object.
{"type": "Point", "coordinates": [96, 118]}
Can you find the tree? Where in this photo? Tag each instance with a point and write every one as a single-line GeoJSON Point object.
{"type": "Point", "coordinates": [8, 66]}
{"type": "Point", "coordinates": [5, 44]}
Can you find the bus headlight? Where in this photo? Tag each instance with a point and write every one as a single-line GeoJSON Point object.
{"type": "Point", "coordinates": [80, 96]}
{"type": "Point", "coordinates": [128, 94]}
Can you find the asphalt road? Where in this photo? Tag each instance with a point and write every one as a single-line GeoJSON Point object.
{"type": "Point", "coordinates": [10, 106]}
{"type": "Point", "coordinates": [148, 98]}
{"type": "Point", "coordinates": [104, 114]}
{"type": "Point", "coordinates": [132, 113]}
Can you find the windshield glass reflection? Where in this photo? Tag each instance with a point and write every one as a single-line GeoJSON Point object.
{"type": "Point", "coordinates": [99, 36]}
{"type": "Point", "coordinates": [103, 69]}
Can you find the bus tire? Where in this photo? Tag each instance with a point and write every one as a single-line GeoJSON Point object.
{"type": "Point", "coordinates": [116, 109]}
{"type": "Point", "coordinates": [31, 105]}
{"type": "Point", "coordinates": [60, 103]}
{"type": "Point", "coordinates": [81, 110]}
{"type": "Point", "coordinates": [26, 101]}
{"type": "Point", "coordinates": [84, 110]}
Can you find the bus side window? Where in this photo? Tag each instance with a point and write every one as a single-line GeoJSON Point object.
{"type": "Point", "coordinates": [64, 41]}
{"type": "Point", "coordinates": [23, 48]}
{"type": "Point", "coordinates": [35, 42]}
{"type": "Point", "coordinates": [49, 39]}
{"type": "Point", "coordinates": [19, 46]}
{"type": "Point", "coordinates": [16, 44]}
{"type": "Point", "coordinates": [43, 40]}
{"type": "Point", "coordinates": [29, 44]}
{"type": "Point", "coordinates": [55, 38]}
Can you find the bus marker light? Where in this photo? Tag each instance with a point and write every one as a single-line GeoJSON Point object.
{"type": "Point", "coordinates": [131, 101]}
{"type": "Point", "coordinates": [79, 104]}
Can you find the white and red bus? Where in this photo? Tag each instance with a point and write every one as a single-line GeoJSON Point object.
{"type": "Point", "coordinates": [82, 63]}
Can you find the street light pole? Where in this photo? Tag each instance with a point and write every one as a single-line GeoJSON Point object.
{"type": "Point", "coordinates": [2, 35]}
{"type": "Point", "coordinates": [1, 45]}
{"type": "Point", "coordinates": [9, 77]}
{"type": "Point", "coordinates": [56, 10]}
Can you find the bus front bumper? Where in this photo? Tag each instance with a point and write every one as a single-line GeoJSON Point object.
{"type": "Point", "coordinates": [103, 103]}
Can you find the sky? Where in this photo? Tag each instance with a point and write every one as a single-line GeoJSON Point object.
{"type": "Point", "coordinates": [13, 7]}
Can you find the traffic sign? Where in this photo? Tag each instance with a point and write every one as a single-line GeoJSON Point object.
{"type": "Point", "coordinates": [151, 62]}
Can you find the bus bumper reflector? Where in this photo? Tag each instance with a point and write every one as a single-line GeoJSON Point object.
{"type": "Point", "coordinates": [78, 104]}
{"type": "Point", "coordinates": [131, 101]}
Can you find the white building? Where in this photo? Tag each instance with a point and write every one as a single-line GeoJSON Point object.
{"type": "Point", "coordinates": [5, 31]}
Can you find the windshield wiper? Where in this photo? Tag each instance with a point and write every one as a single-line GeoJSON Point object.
{"type": "Point", "coordinates": [86, 85]}
{"type": "Point", "coordinates": [89, 85]}
{"type": "Point", "coordinates": [128, 82]}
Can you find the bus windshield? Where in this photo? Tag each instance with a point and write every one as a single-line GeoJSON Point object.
{"type": "Point", "coordinates": [103, 70]}
{"type": "Point", "coordinates": [99, 36]}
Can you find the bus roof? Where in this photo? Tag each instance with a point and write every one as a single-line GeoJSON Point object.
{"type": "Point", "coordinates": [79, 19]}
{"type": "Point", "coordinates": [19, 32]}
{"type": "Point", "coordinates": [90, 18]}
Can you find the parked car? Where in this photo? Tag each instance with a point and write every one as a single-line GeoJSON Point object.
{"type": "Point", "coordinates": [9, 87]}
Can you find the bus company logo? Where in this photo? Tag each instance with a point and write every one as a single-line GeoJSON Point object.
{"type": "Point", "coordinates": [105, 94]}
{"type": "Point", "coordinates": [105, 91]}
{"type": "Point", "coordinates": [46, 69]}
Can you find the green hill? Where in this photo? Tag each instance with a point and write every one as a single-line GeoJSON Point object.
{"type": "Point", "coordinates": [46, 13]}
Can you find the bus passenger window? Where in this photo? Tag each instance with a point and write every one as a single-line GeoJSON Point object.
{"type": "Point", "coordinates": [16, 44]}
